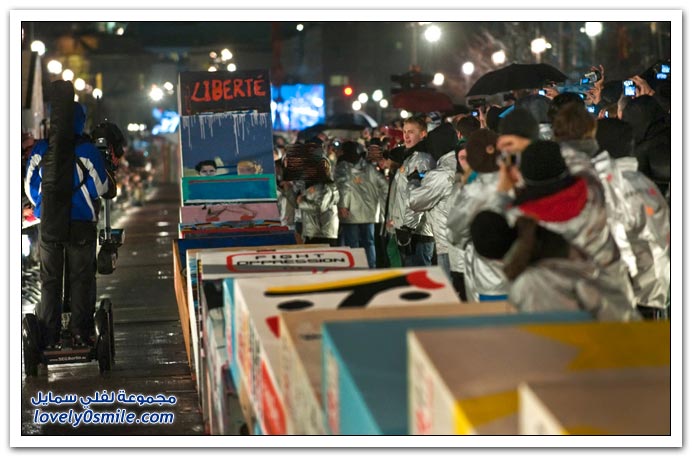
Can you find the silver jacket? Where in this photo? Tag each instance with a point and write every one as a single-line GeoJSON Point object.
{"type": "Point", "coordinates": [399, 211]}
{"type": "Point", "coordinates": [639, 219]}
{"type": "Point", "coordinates": [287, 210]}
{"type": "Point", "coordinates": [577, 155]}
{"type": "Point", "coordinates": [432, 197]}
{"type": "Point", "coordinates": [318, 207]}
{"type": "Point", "coordinates": [481, 275]}
{"type": "Point", "coordinates": [362, 190]}
{"type": "Point", "coordinates": [589, 231]}
{"type": "Point", "coordinates": [567, 284]}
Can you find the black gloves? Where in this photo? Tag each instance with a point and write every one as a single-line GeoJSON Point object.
{"type": "Point", "coordinates": [415, 176]}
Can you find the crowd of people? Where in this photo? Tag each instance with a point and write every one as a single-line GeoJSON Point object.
{"type": "Point", "coordinates": [536, 199]}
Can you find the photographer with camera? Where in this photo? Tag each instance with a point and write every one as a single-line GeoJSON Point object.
{"type": "Point", "coordinates": [70, 242]}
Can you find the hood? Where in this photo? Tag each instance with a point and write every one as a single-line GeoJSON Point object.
{"type": "Point", "coordinates": [448, 161]}
{"type": "Point", "coordinates": [79, 118]}
{"type": "Point", "coordinates": [441, 140]}
{"type": "Point", "coordinates": [588, 146]}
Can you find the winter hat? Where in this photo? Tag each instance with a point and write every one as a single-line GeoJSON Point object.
{"type": "Point", "coordinates": [491, 235]}
{"type": "Point", "coordinates": [476, 155]}
{"type": "Point", "coordinates": [492, 117]}
{"type": "Point", "coordinates": [561, 100]}
{"type": "Point", "coordinates": [441, 140]}
{"type": "Point", "coordinates": [537, 105]}
{"type": "Point", "coordinates": [543, 170]}
{"type": "Point", "coordinates": [616, 137]}
{"type": "Point", "coordinates": [645, 115]}
{"type": "Point", "coordinates": [350, 152]}
{"type": "Point", "coordinates": [521, 123]}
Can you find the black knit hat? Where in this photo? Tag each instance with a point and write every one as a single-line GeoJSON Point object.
{"type": "Point", "coordinates": [350, 152]}
{"type": "Point", "coordinates": [477, 157]}
{"type": "Point", "coordinates": [521, 123]}
{"type": "Point", "coordinates": [616, 137]}
{"type": "Point", "coordinates": [543, 170]}
{"type": "Point", "coordinates": [491, 235]}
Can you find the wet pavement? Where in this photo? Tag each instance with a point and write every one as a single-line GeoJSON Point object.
{"type": "Point", "coordinates": [150, 355]}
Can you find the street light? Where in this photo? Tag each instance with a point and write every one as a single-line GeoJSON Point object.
{"type": "Point", "coordinates": [384, 103]}
{"type": "Point", "coordinates": [300, 27]}
{"type": "Point", "coordinates": [499, 57]}
{"type": "Point", "coordinates": [212, 68]}
{"type": "Point", "coordinates": [39, 47]}
{"type": "Point", "coordinates": [156, 93]}
{"type": "Point", "coordinates": [68, 75]}
{"type": "Point", "coordinates": [231, 67]}
{"type": "Point", "coordinates": [593, 29]}
{"type": "Point", "coordinates": [79, 84]}
{"type": "Point", "coordinates": [226, 55]}
{"type": "Point", "coordinates": [363, 97]}
{"type": "Point", "coordinates": [54, 67]}
{"type": "Point", "coordinates": [377, 95]}
{"type": "Point", "coordinates": [97, 93]}
{"type": "Point", "coordinates": [438, 79]}
{"type": "Point", "coordinates": [468, 68]}
{"type": "Point", "coordinates": [433, 33]}
{"type": "Point", "coordinates": [404, 114]}
{"type": "Point", "coordinates": [120, 31]}
{"type": "Point", "coordinates": [538, 47]}
{"type": "Point", "coordinates": [168, 85]}
{"type": "Point", "coordinates": [356, 105]}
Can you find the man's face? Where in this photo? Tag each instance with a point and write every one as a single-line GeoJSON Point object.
{"type": "Point", "coordinates": [207, 170]}
{"type": "Point", "coordinates": [461, 157]}
{"type": "Point", "coordinates": [413, 134]}
{"type": "Point", "coordinates": [513, 144]}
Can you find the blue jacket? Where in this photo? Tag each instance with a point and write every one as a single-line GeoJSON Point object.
{"type": "Point", "coordinates": [84, 197]}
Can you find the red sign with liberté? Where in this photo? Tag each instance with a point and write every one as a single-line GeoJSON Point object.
{"type": "Point", "coordinates": [222, 91]}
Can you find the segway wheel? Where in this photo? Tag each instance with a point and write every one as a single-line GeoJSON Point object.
{"type": "Point", "coordinates": [107, 306]}
{"type": "Point", "coordinates": [103, 342]}
{"type": "Point", "coordinates": [103, 353]}
{"type": "Point", "coordinates": [30, 338]}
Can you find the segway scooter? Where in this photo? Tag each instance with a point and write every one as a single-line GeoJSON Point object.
{"type": "Point", "coordinates": [103, 350]}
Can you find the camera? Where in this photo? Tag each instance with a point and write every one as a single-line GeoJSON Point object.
{"type": "Point", "coordinates": [336, 144]}
{"type": "Point", "coordinates": [582, 96]}
{"type": "Point", "coordinates": [630, 89]}
{"type": "Point", "coordinates": [606, 115]}
{"type": "Point", "coordinates": [541, 92]}
{"type": "Point", "coordinates": [591, 109]}
{"type": "Point", "coordinates": [591, 77]}
{"type": "Point", "coordinates": [509, 159]}
{"type": "Point", "coordinates": [475, 113]}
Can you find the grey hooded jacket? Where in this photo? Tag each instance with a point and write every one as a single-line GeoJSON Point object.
{"type": "Point", "coordinates": [318, 208]}
{"type": "Point", "coordinates": [399, 211]}
{"type": "Point", "coordinates": [362, 190]}
{"type": "Point", "coordinates": [639, 218]}
{"type": "Point", "coordinates": [432, 197]}
{"type": "Point", "coordinates": [482, 276]}
{"type": "Point", "coordinates": [567, 284]}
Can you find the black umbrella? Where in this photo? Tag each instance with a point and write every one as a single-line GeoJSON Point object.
{"type": "Point", "coordinates": [351, 121]}
{"type": "Point", "coordinates": [311, 131]}
{"type": "Point", "coordinates": [516, 76]}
